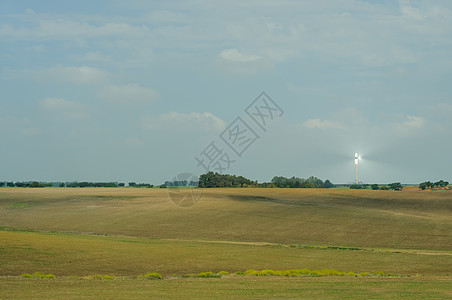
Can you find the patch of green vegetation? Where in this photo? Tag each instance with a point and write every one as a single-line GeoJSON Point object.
{"type": "Point", "coordinates": [37, 275]}
{"type": "Point", "coordinates": [223, 273]}
{"type": "Point", "coordinates": [209, 275]}
{"type": "Point", "coordinates": [19, 205]}
{"type": "Point", "coordinates": [312, 273]}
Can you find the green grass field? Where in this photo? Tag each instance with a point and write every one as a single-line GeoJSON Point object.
{"type": "Point", "coordinates": [125, 232]}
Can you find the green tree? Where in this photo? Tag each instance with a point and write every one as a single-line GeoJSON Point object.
{"type": "Point", "coordinates": [356, 186]}
{"type": "Point", "coordinates": [396, 186]}
{"type": "Point", "coordinates": [328, 184]}
{"type": "Point", "coordinates": [36, 184]}
{"type": "Point", "coordinates": [375, 187]}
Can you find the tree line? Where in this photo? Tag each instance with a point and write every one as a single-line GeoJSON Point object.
{"type": "Point", "coordinates": [82, 184]}
{"type": "Point", "coordinates": [430, 185]}
{"type": "Point", "coordinates": [396, 186]}
{"type": "Point", "coordinates": [216, 180]}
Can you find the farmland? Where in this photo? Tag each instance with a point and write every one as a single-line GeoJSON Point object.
{"type": "Point", "coordinates": [124, 232]}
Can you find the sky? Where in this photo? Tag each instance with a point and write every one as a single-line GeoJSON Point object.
{"type": "Point", "coordinates": [144, 90]}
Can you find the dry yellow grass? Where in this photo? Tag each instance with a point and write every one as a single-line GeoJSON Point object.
{"type": "Point", "coordinates": [141, 230]}
{"type": "Point", "coordinates": [385, 219]}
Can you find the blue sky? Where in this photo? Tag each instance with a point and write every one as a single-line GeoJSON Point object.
{"type": "Point", "coordinates": [135, 90]}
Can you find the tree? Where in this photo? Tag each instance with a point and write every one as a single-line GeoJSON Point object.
{"type": "Point", "coordinates": [423, 185]}
{"type": "Point", "coordinates": [375, 187]}
{"type": "Point", "coordinates": [356, 186]}
{"type": "Point", "coordinates": [62, 184]}
{"type": "Point", "coordinates": [396, 186]}
{"type": "Point", "coordinates": [328, 184]}
{"type": "Point", "coordinates": [36, 184]}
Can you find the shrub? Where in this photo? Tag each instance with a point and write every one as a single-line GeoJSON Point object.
{"type": "Point", "coordinates": [351, 274]}
{"type": "Point", "coordinates": [239, 273]}
{"type": "Point", "coordinates": [221, 273]}
{"type": "Point", "coordinates": [153, 275]}
{"type": "Point", "coordinates": [39, 275]}
{"type": "Point", "coordinates": [208, 275]}
{"type": "Point", "coordinates": [330, 272]}
{"type": "Point", "coordinates": [315, 273]}
{"type": "Point", "coordinates": [364, 274]}
{"type": "Point", "coordinates": [189, 275]}
{"type": "Point", "coordinates": [267, 272]}
{"type": "Point", "coordinates": [251, 272]}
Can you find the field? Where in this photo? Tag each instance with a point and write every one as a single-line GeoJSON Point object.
{"type": "Point", "coordinates": [76, 234]}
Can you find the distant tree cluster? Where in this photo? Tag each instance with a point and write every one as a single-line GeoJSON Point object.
{"type": "Point", "coordinates": [430, 185]}
{"type": "Point", "coordinates": [140, 185]}
{"type": "Point", "coordinates": [210, 180]}
{"type": "Point", "coordinates": [296, 182]}
{"type": "Point", "coordinates": [181, 183]}
{"type": "Point", "coordinates": [35, 184]}
{"type": "Point", "coordinates": [32, 184]}
{"type": "Point", "coordinates": [396, 186]}
{"type": "Point", "coordinates": [92, 184]}
{"type": "Point", "coordinates": [213, 180]}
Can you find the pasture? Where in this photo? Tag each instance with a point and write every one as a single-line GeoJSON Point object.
{"type": "Point", "coordinates": [124, 232]}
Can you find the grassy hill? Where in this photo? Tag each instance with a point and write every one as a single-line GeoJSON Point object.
{"type": "Point", "coordinates": [129, 231]}
{"type": "Point", "coordinates": [406, 220]}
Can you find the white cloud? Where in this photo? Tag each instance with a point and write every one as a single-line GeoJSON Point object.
{"type": "Point", "coordinates": [62, 28]}
{"type": "Point", "coordinates": [183, 122]}
{"type": "Point", "coordinates": [79, 75]}
{"type": "Point", "coordinates": [128, 94]}
{"type": "Point", "coordinates": [321, 124]}
{"type": "Point", "coordinates": [65, 107]}
{"type": "Point", "coordinates": [94, 56]}
{"type": "Point", "coordinates": [235, 56]}
{"type": "Point", "coordinates": [232, 60]}
{"type": "Point", "coordinates": [408, 10]}
{"type": "Point", "coordinates": [414, 122]}
{"type": "Point", "coordinates": [409, 125]}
